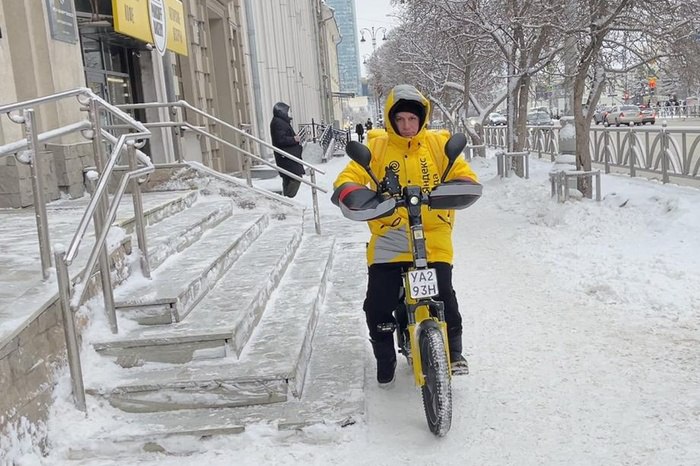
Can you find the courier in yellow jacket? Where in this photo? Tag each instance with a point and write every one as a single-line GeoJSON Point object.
{"type": "Point", "coordinates": [417, 156]}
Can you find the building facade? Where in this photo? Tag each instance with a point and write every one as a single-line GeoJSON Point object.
{"type": "Point", "coordinates": [329, 47]}
{"type": "Point", "coordinates": [285, 41]}
{"type": "Point", "coordinates": [349, 47]}
{"type": "Point", "coordinates": [232, 59]}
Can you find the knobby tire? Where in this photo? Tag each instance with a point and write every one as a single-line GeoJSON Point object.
{"type": "Point", "coordinates": [437, 390]}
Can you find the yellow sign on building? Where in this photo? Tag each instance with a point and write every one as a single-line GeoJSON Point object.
{"type": "Point", "coordinates": [175, 25]}
{"type": "Point", "coordinates": [133, 18]}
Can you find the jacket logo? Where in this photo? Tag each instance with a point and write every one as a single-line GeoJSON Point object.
{"type": "Point", "coordinates": [427, 183]}
{"type": "Point", "coordinates": [394, 166]}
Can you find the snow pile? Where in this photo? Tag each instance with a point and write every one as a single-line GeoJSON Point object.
{"type": "Point", "coordinates": [581, 326]}
{"type": "Point", "coordinates": [18, 445]}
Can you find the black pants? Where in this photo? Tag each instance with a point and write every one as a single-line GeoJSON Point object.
{"type": "Point", "coordinates": [383, 284]}
{"type": "Point", "coordinates": [290, 186]}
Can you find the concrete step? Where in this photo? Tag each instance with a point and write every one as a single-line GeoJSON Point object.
{"type": "Point", "coordinates": [270, 369]}
{"type": "Point", "coordinates": [219, 325]}
{"type": "Point", "coordinates": [25, 294]}
{"type": "Point", "coordinates": [178, 232]}
{"type": "Point", "coordinates": [185, 278]}
{"type": "Point", "coordinates": [333, 392]}
{"type": "Point", "coordinates": [182, 200]}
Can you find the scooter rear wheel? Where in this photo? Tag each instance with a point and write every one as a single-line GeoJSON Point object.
{"type": "Point", "coordinates": [437, 390]}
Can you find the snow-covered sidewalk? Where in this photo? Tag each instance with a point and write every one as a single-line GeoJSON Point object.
{"type": "Point", "coordinates": [581, 328]}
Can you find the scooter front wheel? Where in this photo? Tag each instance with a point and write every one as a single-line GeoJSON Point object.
{"type": "Point", "coordinates": [437, 390]}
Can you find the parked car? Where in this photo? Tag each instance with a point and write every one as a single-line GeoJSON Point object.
{"type": "Point", "coordinates": [539, 119]}
{"type": "Point", "coordinates": [648, 116]}
{"type": "Point", "coordinates": [473, 121]}
{"type": "Point", "coordinates": [496, 119]}
{"type": "Point", "coordinates": [624, 115]}
{"type": "Point", "coordinates": [600, 114]}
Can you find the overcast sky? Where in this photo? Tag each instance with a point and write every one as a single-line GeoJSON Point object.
{"type": "Point", "coordinates": [372, 13]}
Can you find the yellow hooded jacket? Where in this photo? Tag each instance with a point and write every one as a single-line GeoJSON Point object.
{"type": "Point", "coordinates": [416, 163]}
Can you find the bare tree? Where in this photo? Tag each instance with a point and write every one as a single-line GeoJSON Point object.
{"type": "Point", "coordinates": [602, 30]}
{"type": "Point", "coordinates": [443, 44]}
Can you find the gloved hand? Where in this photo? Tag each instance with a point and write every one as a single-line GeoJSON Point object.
{"type": "Point", "coordinates": [360, 203]}
{"type": "Point", "coordinates": [356, 197]}
{"type": "Point", "coordinates": [455, 194]}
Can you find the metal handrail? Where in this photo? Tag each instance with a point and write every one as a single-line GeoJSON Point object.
{"type": "Point", "coordinates": [76, 299]}
{"type": "Point", "coordinates": [187, 105]}
{"type": "Point", "coordinates": [11, 148]}
{"type": "Point", "coordinates": [253, 156]}
{"type": "Point", "coordinates": [205, 133]}
{"type": "Point", "coordinates": [100, 188]}
{"type": "Point", "coordinates": [248, 155]}
{"type": "Point", "coordinates": [97, 208]}
{"type": "Point", "coordinates": [43, 100]}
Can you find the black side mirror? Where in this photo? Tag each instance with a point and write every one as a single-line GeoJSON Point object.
{"type": "Point", "coordinates": [359, 153]}
{"type": "Point", "coordinates": [362, 156]}
{"type": "Point", "coordinates": [453, 147]}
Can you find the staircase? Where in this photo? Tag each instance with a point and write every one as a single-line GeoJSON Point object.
{"type": "Point", "coordinates": [249, 317]}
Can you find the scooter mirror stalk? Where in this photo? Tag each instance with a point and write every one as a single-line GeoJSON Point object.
{"type": "Point", "coordinates": [453, 147]}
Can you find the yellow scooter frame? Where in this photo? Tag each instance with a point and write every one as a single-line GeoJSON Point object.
{"type": "Point", "coordinates": [420, 310]}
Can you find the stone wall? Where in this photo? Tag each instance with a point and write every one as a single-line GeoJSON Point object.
{"type": "Point", "coordinates": [62, 167]}
{"type": "Point", "coordinates": [16, 181]}
{"type": "Point", "coordinates": [27, 364]}
{"type": "Point", "coordinates": [70, 161]}
{"type": "Point", "coordinates": [29, 361]}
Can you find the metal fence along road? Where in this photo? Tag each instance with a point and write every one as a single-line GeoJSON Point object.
{"type": "Point", "coordinates": [669, 151]}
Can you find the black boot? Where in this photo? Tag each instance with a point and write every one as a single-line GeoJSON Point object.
{"type": "Point", "coordinates": [458, 363]}
{"type": "Point", "coordinates": [386, 369]}
{"type": "Point", "coordinates": [386, 359]}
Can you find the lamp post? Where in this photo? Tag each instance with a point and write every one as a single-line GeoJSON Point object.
{"type": "Point", "coordinates": [373, 35]}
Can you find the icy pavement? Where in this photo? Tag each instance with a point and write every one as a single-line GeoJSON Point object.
{"type": "Point", "coordinates": [581, 327]}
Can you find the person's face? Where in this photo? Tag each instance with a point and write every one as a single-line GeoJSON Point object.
{"type": "Point", "coordinates": [407, 124]}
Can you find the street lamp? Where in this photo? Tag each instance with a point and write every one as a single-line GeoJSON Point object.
{"type": "Point", "coordinates": [373, 35]}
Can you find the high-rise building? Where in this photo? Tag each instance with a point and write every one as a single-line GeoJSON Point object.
{"type": "Point", "coordinates": [348, 48]}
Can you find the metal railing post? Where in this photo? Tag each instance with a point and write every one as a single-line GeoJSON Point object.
{"type": "Point", "coordinates": [246, 171]}
{"type": "Point", "coordinates": [72, 347]}
{"type": "Point", "coordinates": [176, 132]}
{"type": "Point", "coordinates": [314, 196]}
{"type": "Point", "coordinates": [98, 148]}
{"type": "Point", "coordinates": [664, 152]}
{"type": "Point", "coordinates": [105, 273]}
{"type": "Point", "coordinates": [138, 211]}
{"type": "Point", "coordinates": [527, 166]}
{"type": "Point", "coordinates": [42, 221]}
{"type": "Point", "coordinates": [99, 216]}
{"type": "Point", "coordinates": [98, 151]}
{"type": "Point", "coordinates": [606, 149]}
{"type": "Point", "coordinates": [630, 135]}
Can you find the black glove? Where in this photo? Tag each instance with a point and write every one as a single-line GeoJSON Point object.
{"type": "Point", "coordinates": [356, 197]}
{"type": "Point", "coordinates": [360, 203]}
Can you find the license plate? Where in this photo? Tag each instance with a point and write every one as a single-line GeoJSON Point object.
{"type": "Point", "coordinates": [422, 283]}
